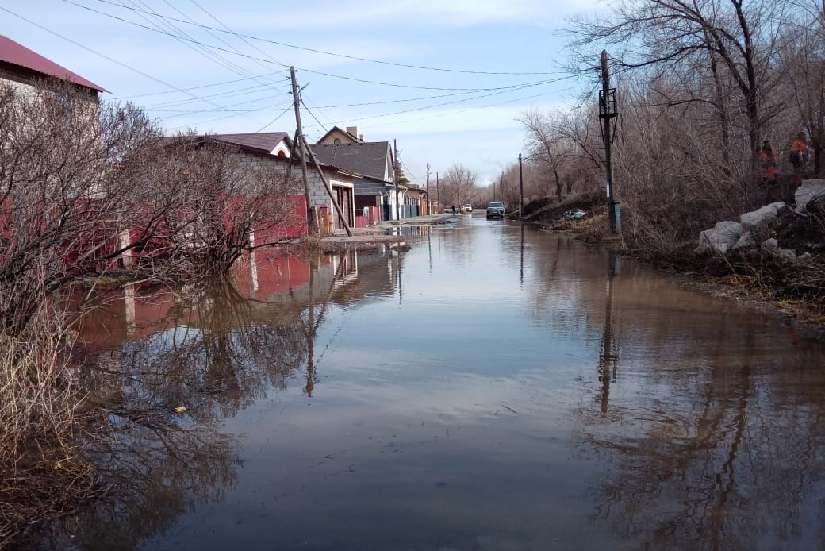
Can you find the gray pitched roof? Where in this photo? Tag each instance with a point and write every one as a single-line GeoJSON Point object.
{"type": "Point", "coordinates": [368, 158]}
{"type": "Point", "coordinates": [265, 141]}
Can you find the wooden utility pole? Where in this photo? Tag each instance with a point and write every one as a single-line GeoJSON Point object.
{"type": "Point", "coordinates": [312, 227]}
{"type": "Point", "coordinates": [328, 188]}
{"type": "Point", "coordinates": [429, 202]}
{"type": "Point", "coordinates": [395, 179]}
{"type": "Point", "coordinates": [607, 111]}
{"type": "Point", "coordinates": [520, 188]}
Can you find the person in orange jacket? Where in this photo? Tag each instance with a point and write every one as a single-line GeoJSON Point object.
{"type": "Point", "coordinates": [770, 171]}
{"type": "Point", "coordinates": [799, 153]}
{"type": "Point", "coordinates": [767, 158]}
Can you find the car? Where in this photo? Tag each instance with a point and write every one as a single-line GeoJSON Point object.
{"type": "Point", "coordinates": [575, 214]}
{"type": "Point", "coordinates": [495, 209]}
{"type": "Point", "coordinates": [467, 208]}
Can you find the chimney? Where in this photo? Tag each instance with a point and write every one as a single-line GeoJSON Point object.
{"type": "Point", "coordinates": [352, 131]}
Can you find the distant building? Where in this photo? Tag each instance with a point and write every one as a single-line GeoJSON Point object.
{"type": "Point", "coordinates": [371, 164]}
{"type": "Point", "coordinates": [336, 136]}
{"type": "Point", "coordinates": [278, 145]}
{"type": "Point", "coordinates": [275, 143]}
{"type": "Point", "coordinates": [26, 70]}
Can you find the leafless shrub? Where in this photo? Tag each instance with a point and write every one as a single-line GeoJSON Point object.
{"type": "Point", "coordinates": [42, 469]}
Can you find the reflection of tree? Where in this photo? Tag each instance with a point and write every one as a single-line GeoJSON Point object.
{"type": "Point", "coordinates": [219, 353]}
{"type": "Point", "coordinates": [719, 461]}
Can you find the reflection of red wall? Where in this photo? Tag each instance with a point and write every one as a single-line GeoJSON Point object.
{"type": "Point", "coordinates": [123, 316]}
{"type": "Point", "coordinates": [274, 271]}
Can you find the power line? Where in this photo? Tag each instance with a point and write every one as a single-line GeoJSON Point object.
{"type": "Point", "coordinates": [102, 55]}
{"type": "Point", "coordinates": [453, 102]}
{"type": "Point", "coordinates": [226, 27]}
{"type": "Point", "coordinates": [323, 126]}
{"type": "Point", "coordinates": [312, 71]}
{"type": "Point", "coordinates": [273, 121]}
{"type": "Point", "coordinates": [244, 36]}
{"type": "Point", "coordinates": [201, 86]}
{"type": "Point", "coordinates": [163, 23]}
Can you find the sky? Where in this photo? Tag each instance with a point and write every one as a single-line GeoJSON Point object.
{"type": "Point", "coordinates": [222, 67]}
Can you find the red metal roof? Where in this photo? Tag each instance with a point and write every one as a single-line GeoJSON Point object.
{"type": "Point", "coordinates": [17, 54]}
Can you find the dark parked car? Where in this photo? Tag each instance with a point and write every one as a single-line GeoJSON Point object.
{"type": "Point", "coordinates": [495, 209]}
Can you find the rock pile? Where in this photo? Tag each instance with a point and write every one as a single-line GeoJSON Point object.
{"type": "Point", "coordinates": [801, 230]}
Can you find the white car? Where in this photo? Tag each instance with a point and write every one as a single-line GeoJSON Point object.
{"type": "Point", "coordinates": [467, 208]}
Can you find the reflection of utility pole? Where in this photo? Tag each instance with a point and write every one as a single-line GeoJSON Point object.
{"type": "Point", "coordinates": [521, 270]}
{"type": "Point", "coordinates": [310, 332]}
{"type": "Point", "coordinates": [520, 188]}
{"type": "Point", "coordinates": [609, 355]}
{"type": "Point", "coordinates": [430, 246]}
{"type": "Point", "coordinates": [607, 112]}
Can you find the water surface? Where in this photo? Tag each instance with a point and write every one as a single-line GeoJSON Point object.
{"type": "Point", "coordinates": [492, 387]}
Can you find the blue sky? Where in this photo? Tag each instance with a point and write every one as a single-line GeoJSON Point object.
{"type": "Point", "coordinates": [443, 125]}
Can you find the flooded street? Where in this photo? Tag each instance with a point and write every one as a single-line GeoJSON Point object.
{"type": "Point", "coordinates": [491, 388]}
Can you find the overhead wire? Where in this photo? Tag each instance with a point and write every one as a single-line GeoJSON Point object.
{"type": "Point", "coordinates": [159, 22]}
{"type": "Point", "coordinates": [273, 121]}
{"type": "Point", "coordinates": [273, 62]}
{"type": "Point", "coordinates": [247, 37]}
{"type": "Point", "coordinates": [102, 55]}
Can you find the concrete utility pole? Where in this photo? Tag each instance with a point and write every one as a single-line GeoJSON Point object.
{"type": "Point", "coordinates": [438, 191]}
{"type": "Point", "coordinates": [520, 188]}
{"type": "Point", "coordinates": [607, 111]}
{"type": "Point", "coordinates": [429, 201]}
{"type": "Point", "coordinates": [312, 227]}
{"type": "Point", "coordinates": [395, 178]}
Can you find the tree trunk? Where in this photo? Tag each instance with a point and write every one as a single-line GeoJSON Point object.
{"type": "Point", "coordinates": [558, 184]}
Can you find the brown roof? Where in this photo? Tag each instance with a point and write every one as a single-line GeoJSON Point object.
{"type": "Point", "coordinates": [17, 54]}
{"type": "Point", "coordinates": [265, 141]}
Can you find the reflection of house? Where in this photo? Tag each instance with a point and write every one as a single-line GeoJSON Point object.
{"type": "Point", "coordinates": [25, 70]}
{"type": "Point", "coordinates": [371, 164]}
{"type": "Point", "coordinates": [277, 145]}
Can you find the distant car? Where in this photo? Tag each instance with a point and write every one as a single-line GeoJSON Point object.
{"type": "Point", "coordinates": [495, 209]}
{"type": "Point", "coordinates": [575, 214]}
{"type": "Point", "coordinates": [467, 208]}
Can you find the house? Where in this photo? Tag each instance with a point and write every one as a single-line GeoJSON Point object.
{"type": "Point", "coordinates": [26, 70]}
{"type": "Point", "coordinates": [337, 136]}
{"type": "Point", "coordinates": [371, 164]}
{"type": "Point", "coordinates": [277, 145]}
{"type": "Point", "coordinates": [416, 202]}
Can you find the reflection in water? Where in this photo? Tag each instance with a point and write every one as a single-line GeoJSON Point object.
{"type": "Point", "coordinates": [213, 354]}
{"type": "Point", "coordinates": [609, 355]}
{"type": "Point", "coordinates": [521, 258]}
{"type": "Point", "coordinates": [717, 447]}
{"type": "Point", "coordinates": [419, 398]}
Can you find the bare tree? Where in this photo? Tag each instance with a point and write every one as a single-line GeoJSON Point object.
{"type": "Point", "coordinates": [457, 186]}
{"type": "Point", "coordinates": [547, 144]}
{"type": "Point", "coordinates": [661, 35]}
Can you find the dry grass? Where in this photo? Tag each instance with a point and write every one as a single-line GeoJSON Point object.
{"type": "Point", "coordinates": [42, 471]}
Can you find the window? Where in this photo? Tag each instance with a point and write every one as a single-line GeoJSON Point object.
{"type": "Point", "coordinates": [337, 141]}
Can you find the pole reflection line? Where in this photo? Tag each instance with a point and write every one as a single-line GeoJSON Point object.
{"type": "Point", "coordinates": [521, 266]}
{"type": "Point", "coordinates": [609, 354]}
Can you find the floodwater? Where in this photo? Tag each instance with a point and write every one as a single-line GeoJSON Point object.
{"type": "Point", "coordinates": [491, 387]}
